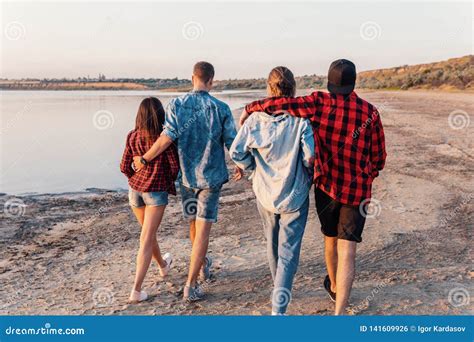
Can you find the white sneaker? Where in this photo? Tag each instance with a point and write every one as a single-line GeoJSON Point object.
{"type": "Point", "coordinates": [274, 313]}
{"type": "Point", "coordinates": [169, 261]}
{"type": "Point", "coordinates": [136, 297]}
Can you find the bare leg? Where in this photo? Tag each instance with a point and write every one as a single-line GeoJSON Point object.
{"type": "Point", "coordinates": [192, 231]}
{"type": "Point", "coordinates": [156, 254]}
{"type": "Point", "coordinates": [152, 220]}
{"type": "Point", "coordinates": [201, 242]}
{"type": "Point", "coordinates": [330, 254]}
{"type": "Point", "coordinates": [140, 215]}
{"type": "Point", "coordinates": [346, 252]}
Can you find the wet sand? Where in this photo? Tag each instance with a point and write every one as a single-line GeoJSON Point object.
{"type": "Point", "coordinates": [75, 253]}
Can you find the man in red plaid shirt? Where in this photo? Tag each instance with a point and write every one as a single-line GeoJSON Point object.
{"type": "Point", "coordinates": [350, 152]}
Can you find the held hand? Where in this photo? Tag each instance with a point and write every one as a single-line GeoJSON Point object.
{"type": "Point", "coordinates": [137, 163]}
{"type": "Point", "coordinates": [244, 116]}
{"type": "Point", "coordinates": [238, 174]}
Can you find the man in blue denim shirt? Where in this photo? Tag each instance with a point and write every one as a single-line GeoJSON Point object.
{"type": "Point", "coordinates": [200, 125]}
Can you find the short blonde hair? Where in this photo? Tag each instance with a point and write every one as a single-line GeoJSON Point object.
{"type": "Point", "coordinates": [281, 82]}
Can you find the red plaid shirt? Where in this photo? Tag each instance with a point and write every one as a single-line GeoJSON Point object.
{"type": "Point", "coordinates": [159, 174]}
{"type": "Point", "coordinates": [349, 140]}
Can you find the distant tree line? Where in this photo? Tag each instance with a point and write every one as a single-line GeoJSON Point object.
{"type": "Point", "coordinates": [456, 73]}
{"type": "Point", "coordinates": [302, 82]}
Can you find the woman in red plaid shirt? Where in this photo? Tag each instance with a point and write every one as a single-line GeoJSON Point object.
{"type": "Point", "coordinates": [149, 188]}
{"type": "Point", "coordinates": [350, 152]}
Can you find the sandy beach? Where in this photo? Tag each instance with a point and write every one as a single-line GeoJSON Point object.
{"type": "Point", "coordinates": [74, 253]}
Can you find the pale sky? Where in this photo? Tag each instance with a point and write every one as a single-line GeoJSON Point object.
{"type": "Point", "coordinates": [242, 39]}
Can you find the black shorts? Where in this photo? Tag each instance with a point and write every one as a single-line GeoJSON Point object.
{"type": "Point", "coordinates": [338, 220]}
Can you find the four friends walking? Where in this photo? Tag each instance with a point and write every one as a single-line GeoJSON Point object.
{"type": "Point", "coordinates": [333, 141]}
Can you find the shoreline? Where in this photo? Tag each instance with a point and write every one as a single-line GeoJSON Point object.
{"type": "Point", "coordinates": [78, 193]}
{"type": "Point", "coordinates": [405, 77]}
{"type": "Point", "coordinates": [243, 90]}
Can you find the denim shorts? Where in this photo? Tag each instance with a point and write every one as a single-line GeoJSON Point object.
{"type": "Point", "coordinates": [139, 199]}
{"type": "Point", "coordinates": [200, 204]}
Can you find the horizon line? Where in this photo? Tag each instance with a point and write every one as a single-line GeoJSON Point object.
{"type": "Point", "coordinates": [218, 80]}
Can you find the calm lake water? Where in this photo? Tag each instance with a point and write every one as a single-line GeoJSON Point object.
{"type": "Point", "coordinates": [61, 141]}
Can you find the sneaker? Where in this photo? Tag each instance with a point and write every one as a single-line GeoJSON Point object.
{"type": "Point", "coordinates": [169, 261]}
{"type": "Point", "coordinates": [205, 272]}
{"type": "Point", "coordinates": [193, 294]}
{"type": "Point", "coordinates": [327, 286]}
{"type": "Point", "coordinates": [274, 313]}
{"type": "Point", "coordinates": [136, 297]}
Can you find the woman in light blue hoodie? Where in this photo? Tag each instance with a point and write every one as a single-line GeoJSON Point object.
{"type": "Point", "coordinates": [279, 150]}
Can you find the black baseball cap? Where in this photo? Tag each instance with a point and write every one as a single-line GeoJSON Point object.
{"type": "Point", "coordinates": [341, 77]}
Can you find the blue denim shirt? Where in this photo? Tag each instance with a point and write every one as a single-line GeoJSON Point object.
{"type": "Point", "coordinates": [201, 126]}
{"type": "Point", "coordinates": [280, 150]}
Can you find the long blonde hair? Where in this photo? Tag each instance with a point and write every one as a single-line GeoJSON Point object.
{"type": "Point", "coordinates": [281, 82]}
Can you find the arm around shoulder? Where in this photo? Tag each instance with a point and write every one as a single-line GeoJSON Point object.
{"type": "Point", "coordinates": [301, 106]}
{"type": "Point", "coordinates": [159, 146]}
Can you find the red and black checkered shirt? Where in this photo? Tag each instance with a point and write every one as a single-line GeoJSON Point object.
{"type": "Point", "coordinates": [158, 175]}
{"type": "Point", "coordinates": [349, 140]}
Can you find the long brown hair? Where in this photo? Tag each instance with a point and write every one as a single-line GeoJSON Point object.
{"type": "Point", "coordinates": [150, 118]}
{"type": "Point", "coordinates": [281, 82]}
